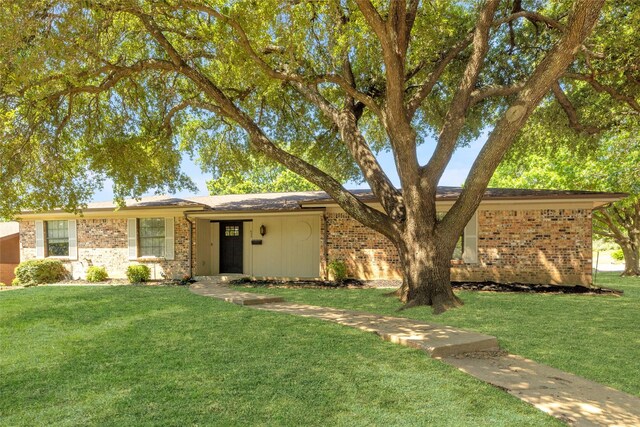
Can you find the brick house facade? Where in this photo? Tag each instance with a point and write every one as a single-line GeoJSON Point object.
{"type": "Point", "coordinates": [527, 246]}
{"type": "Point", "coordinates": [544, 240]}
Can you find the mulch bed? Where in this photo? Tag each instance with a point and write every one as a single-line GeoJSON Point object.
{"type": "Point", "coordinates": [532, 288]}
{"type": "Point", "coordinates": [466, 286]}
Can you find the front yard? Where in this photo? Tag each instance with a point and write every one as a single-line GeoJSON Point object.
{"type": "Point", "coordinates": [597, 337]}
{"type": "Point", "coordinates": [163, 356]}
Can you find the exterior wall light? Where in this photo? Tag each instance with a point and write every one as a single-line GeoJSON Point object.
{"type": "Point", "coordinates": [263, 230]}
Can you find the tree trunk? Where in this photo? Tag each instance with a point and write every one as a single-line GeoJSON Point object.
{"type": "Point", "coordinates": [631, 259]}
{"type": "Point", "coordinates": [426, 269]}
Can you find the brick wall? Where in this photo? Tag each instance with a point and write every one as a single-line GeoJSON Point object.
{"type": "Point", "coordinates": [529, 246]}
{"type": "Point", "coordinates": [368, 254]}
{"type": "Point", "coordinates": [9, 257]}
{"type": "Point", "coordinates": [103, 242]}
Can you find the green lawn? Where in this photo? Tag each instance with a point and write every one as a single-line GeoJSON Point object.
{"type": "Point", "coordinates": [163, 356]}
{"type": "Point", "coordinates": [597, 337]}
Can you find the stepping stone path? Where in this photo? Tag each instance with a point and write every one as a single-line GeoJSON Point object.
{"type": "Point", "coordinates": [574, 400]}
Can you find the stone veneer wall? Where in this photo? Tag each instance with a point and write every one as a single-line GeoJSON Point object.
{"type": "Point", "coordinates": [528, 246]}
{"type": "Point", "coordinates": [103, 242]}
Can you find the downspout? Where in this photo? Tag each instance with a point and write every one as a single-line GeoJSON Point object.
{"type": "Point", "coordinates": [325, 246]}
{"type": "Point", "coordinates": [190, 244]}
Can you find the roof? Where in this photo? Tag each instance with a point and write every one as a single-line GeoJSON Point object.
{"type": "Point", "coordinates": [8, 228]}
{"type": "Point", "coordinates": [295, 200]}
{"type": "Point", "coordinates": [148, 202]}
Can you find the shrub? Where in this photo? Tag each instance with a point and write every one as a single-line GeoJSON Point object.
{"type": "Point", "coordinates": [15, 282]}
{"type": "Point", "coordinates": [617, 255]}
{"type": "Point", "coordinates": [97, 274]}
{"type": "Point", "coordinates": [338, 269]}
{"type": "Point", "coordinates": [38, 271]}
{"type": "Point", "coordinates": [2, 284]}
{"type": "Point", "coordinates": [138, 273]}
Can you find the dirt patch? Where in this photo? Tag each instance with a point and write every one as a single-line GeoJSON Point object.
{"type": "Point", "coordinates": [465, 286]}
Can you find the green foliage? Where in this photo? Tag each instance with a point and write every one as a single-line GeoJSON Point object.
{"type": "Point", "coordinates": [613, 164]}
{"type": "Point", "coordinates": [97, 274]}
{"type": "Point", "coordinates": [39, 271]}
{"type": "Point", "coordinates": [87, 94]}
{"type": "Point", "coordinates": [263, 177]}
{"type": "Point", "coordinates": [338, 270]}
{"type": "Point", "coordinates": [15, 282]}
{"type": "Point", "coordinates": [2, 284]}
{"type": "Point", "coordinates": [138, 273]}
{"type": "Point", "coordinates": [617, 255]}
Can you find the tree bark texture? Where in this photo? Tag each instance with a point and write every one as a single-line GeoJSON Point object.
{"type": "Point", "coordinates": [426, 267]}
{"type": "Point", "coordinates": [631, 251]}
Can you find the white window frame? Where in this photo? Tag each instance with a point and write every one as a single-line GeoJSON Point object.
{"type": "Point", "coordinates": [41, 240]}
{"type": "Point", "coordinates": [133, 239]}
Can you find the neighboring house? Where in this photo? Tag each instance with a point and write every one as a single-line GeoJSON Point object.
{"type": "Point", "coordinates": [531, 236]}
{"type": "Point", "coordinates": [9, 251]}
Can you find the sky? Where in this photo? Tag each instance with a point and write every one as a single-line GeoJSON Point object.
{"type": "Point", "coordinates": [454, 175]}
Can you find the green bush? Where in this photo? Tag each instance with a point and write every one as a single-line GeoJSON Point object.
{"type": "Point", "coordinates": [338, 269]}
{"type": "Point", "coordinates": [617, 255]}
{"type": "Point", "coordinates": [2, 284]}
{"type": "Point", "coordinates": [138, 273]}
{"type": "Point", "coordinates": [15, 282]}
{"type": "Point", "coordinates": [97, 274]}
{"type": "Point", "coordinates": [38, 271]}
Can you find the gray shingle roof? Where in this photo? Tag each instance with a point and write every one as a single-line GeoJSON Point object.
{"type": "Point", "coordinates": [294, 200]}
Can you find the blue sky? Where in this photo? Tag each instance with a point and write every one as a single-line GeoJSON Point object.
{"type": "Point", "coordinates": [454, 175]}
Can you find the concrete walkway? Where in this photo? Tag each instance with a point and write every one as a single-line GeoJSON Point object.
{"type": "Point", "coordinates": [573, 399]}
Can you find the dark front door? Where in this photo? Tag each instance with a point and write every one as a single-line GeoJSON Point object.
{"type": "Point", "coordinates": [230, 247]}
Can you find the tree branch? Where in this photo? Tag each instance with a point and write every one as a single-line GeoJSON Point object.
{"type": "Point", "coordinates": [480, 94]}
{"type": "Point", "coordinates": [259, 141]}
{"type": "Point", "coordinates": [494, 90]}
{"type": "Point", "coordinates": [117, 73]}
{"type": "Point", "coordinates": [599, 87]}
{"type": "Point", "coordinates": [455, 118]}
{"type": "Point", "coordinates": [582, 19]}
{"type": "Point", "coordinates": [300, 80]}
{"type": "Point", "coordinates": [533, 17]}
{"type": "Point", "coordinates": [429, 82]}
{"type": "Point", "coordinates": [571, 112]}
{"type": "Point", "coordinates": [604, 217]}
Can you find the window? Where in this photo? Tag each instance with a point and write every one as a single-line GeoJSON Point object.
{"type": "Point", "coordinates": [231, 230]}
{"type": "Point", "coordinates": [151, 237]}
{"type": "Point", "coordinates": [57, 235]}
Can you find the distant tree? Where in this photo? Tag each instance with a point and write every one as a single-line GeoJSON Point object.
{"type": "Point", "coordinates": [119, 88]}
{"type": "Point", "coordinates": [270, 178]}
{"type": "Point", "coordinates": [273, 179]}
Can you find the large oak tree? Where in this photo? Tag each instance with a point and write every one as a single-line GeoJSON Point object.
{"type": "Point", "coordinates": [119, 88]}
